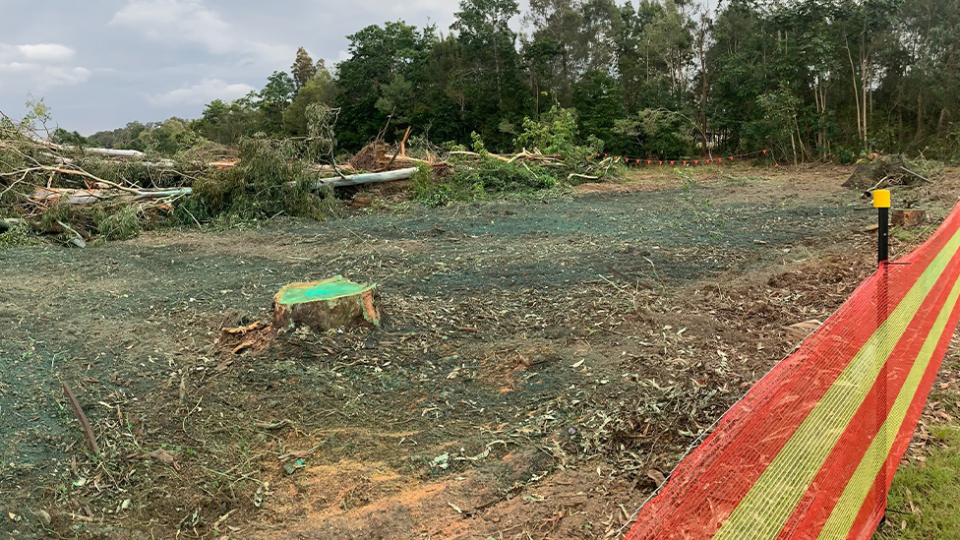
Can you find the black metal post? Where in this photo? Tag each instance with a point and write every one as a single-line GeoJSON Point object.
{"type": "Point", "coordinates": [883, 235]}
{"type": "Point", "coordinates": [881, 201]}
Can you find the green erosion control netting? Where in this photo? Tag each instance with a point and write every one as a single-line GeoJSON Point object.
{"type": "Point", "coordinates": [811, 450]}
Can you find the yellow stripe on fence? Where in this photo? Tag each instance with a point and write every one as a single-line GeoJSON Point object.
{"type": "Point", "coordinates": [771, 500]}
{"type": "Point", "coordinates": [846, 510]}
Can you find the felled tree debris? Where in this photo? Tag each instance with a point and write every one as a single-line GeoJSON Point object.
{"type": "Point", "coordinates": [323, 305]}
{"type": "Point", "coordinates": [883, 172]}
{"type": "Point", "coordinates": [373, 157]}
{"type": "Point", "coordinates": [370, 157]}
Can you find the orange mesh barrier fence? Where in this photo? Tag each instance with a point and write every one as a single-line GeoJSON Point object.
{"type": "Point", "coordinates": [811, 450]}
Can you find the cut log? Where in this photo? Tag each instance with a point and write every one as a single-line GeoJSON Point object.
{"type": "Point", "coordinates": [324, 305]}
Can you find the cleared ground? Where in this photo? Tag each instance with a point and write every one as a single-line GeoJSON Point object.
{"type": "Point", "coordinates": [541, 363]}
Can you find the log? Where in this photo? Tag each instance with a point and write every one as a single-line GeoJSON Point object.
{"type": "Point", "coordinates": [365, 178]}
{"type": "Point", "coordinates": [110, 152]}
{"type": "Point", "coordinates": [67, 196]}
{"type": "Point", "coordinates": [323, 305]}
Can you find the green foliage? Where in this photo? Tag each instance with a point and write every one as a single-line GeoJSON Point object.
{"type": "Point", "coordinates": [62, 136]}
{"type": "Point", "coordinates": [319, 90]}
{"type": "Point", "coordinates": [475, 180]}
{"type": "Point", "coordinates": [19, 236]}
{"type": "Point", "coordinates": [657, 132]}
{"type": "Point", "coordinates": [275, 97]}
{"type": "Point", "coordinates": [598, 101]}
{"type": "Point", "coordinates": [168, 138]}
{"type": "Point", "coordinates": [554, 133]}
{"type": "Point", "coordinates": [108, 220]}
{"type": "Point", "coordinates": [396, 94]}
{"type": "Point", "coordinates": [378, 54]}
{"type": "Point", "coordinates": [227, 123]}
{"type": "Point", "coordinates": [809, 78]}
{"type": "Point", "coordinates": [268, 181]}
{"type": "Point", "coordinates": [429, 190]}
{"type": "Point", "coordinates": [478, 145]}
{"type": "Point", "coordinates": [495, 176]}
{"type": "Point", "coordinates": [122, 224]}
{"type": "Point", "coordinates": [777, 123]}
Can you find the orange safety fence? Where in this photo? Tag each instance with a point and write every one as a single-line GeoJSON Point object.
{"type": "Point", "coordinates": [811, 450]}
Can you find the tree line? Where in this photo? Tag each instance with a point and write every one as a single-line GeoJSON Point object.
{"type": "Point", "coordinates": [808, 79]}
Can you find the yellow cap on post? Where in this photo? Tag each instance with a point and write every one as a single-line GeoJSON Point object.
{"type": "Point", "coordinates": [881, 198]}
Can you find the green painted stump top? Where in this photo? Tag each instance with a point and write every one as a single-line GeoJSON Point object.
{"type": "Point", "coordinates": [328, 289]}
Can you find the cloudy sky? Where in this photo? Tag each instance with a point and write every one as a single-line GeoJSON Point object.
{"type": "Point", "coordinates": [102, 63]}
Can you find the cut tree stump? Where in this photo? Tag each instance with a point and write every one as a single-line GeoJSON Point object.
{"type": "Point", "coordinates": [323, 305]}
{"type": "Point", "coordinates": [907, 218]}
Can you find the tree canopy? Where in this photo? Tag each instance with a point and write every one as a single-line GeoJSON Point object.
{"type": "Point", "coordinates": [808, 79]}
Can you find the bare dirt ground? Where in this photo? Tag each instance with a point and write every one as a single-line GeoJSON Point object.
{"type": "Point", "coordinates": [541, 364]}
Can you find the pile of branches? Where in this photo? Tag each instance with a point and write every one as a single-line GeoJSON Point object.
{"type": "Point", "coordinates": [574, 169]}
{"type": "Point", "coordinates": [891, 171]}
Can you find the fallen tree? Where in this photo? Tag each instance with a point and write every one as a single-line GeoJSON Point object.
{"type": "Point", "coordinates": [46, 196]}
{"type": "Point", "coordinates": [366, 178]}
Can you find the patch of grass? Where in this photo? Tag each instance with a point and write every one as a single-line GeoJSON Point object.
{"type": "Point", "coordinates": [742, 180]}
{"type": "Point", "coordinates": [926, 499]}
{"type": "Point", "coordinates": [906, 236]}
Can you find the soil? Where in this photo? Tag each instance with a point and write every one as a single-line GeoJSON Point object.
{"type": "Point", "coordinates": [540, 365]}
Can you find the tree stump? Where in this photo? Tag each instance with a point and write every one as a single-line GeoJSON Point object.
{"type": "Point", "coordinates": [323, 305]}
{"type": "Point", "coordinates": [908, 218]}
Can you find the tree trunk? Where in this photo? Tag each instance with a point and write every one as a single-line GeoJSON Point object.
{"type": "Point", "coordinates": [944, 113]}
{"type": "Point", "coordinates": [366, 178]}
{"type": "Point", "coordinates": [856, 93]}
{"type": "Point", "coordinates": [919, 115]}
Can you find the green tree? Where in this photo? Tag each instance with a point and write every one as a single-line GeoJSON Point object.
{"type": "Point", "coordinates": [274, 99]}
{"type": "Point", "coordinates": [377, 55]}
{"type": "Point", "coordinates": [321, 89]}
{"type": "Point", "coordinates": [492, 82]}
{"type": "Point", "coordinates": [303, 69]}
{"type": "Point", "coordinates": [598, 99]}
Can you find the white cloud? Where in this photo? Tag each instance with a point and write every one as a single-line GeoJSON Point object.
{"type": "Point", "coordinates": [46, 52]}
{"type": "Point", "coordinates": [40, 76]}
{"type": "Point", "coordinates": [190, 22]}
{"type": "Point", "coordinates": [203, 92]}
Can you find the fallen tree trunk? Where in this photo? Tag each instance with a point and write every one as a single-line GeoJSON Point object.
{"type": "Point", "coordinates": [474, 154]}
{"type": "Point", "coordinates": [46, 196]}
{"type": "Point", "coordinates": [82, 197]}
{"type": "Point", "coordinates": [365, 178]}
{"type": "Point", "coordinates": [67, 196]}
{"type": "Point", "coordinates": [110, 152]}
